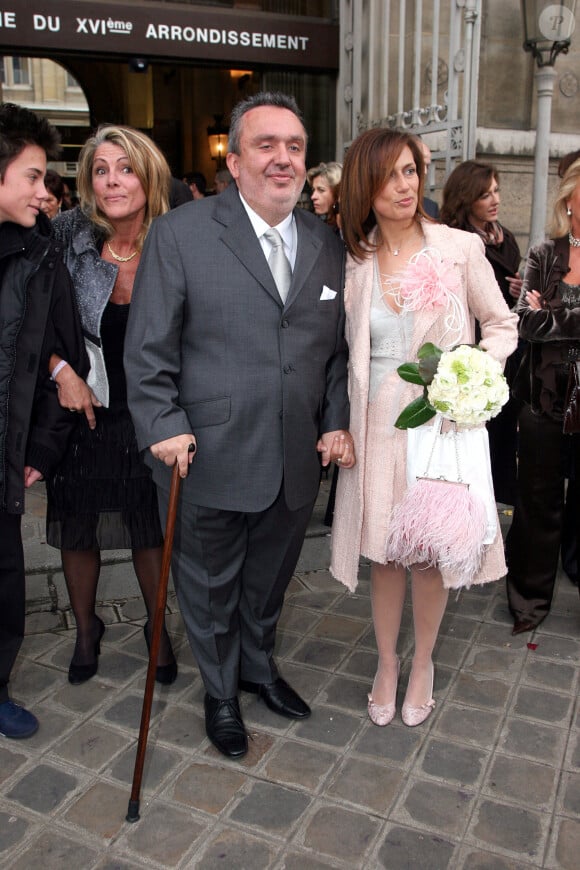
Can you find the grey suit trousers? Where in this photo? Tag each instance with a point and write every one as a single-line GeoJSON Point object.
{"type": "Point", "coordinates": [231, 571]}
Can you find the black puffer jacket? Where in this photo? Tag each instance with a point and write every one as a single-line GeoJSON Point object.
{"type": "Point", "coordinates": [38, 316]}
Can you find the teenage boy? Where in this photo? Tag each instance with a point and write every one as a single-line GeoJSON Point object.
{"type": "Point", "coordinates": [38, 317]}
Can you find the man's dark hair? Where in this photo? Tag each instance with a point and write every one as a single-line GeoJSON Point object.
{"type": "Point", "coordinates": [54, 183]}
{"type": "Point", "coordinates": [276, 99]}
{"type": "Point", "coordinates": [198, 179]}
{"type": "Point", "coordinates": [20, 127]}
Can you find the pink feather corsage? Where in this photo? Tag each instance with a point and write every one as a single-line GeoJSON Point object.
{"type": "Point", "coordinates": [429, 282]}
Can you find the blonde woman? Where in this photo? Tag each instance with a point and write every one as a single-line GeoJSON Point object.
{"type": "Point", "coordinates": [102, 497]}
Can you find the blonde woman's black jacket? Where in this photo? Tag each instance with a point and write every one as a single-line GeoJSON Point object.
{"type": "Point", "coordinates": [553, 333]}
{"type": "Point", "coordinates": [38, 316]}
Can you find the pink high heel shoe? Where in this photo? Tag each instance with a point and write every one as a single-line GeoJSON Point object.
{"type": "Point", "coordinates": [383, 715]}
{"type": "Point", "coordinates": [413, 716]}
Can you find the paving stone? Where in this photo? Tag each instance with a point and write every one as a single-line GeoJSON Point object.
{"type": "Point", "coordinates": [91, 746]}
{"type": "Point", "coordinates": [271, 807]}
{"type": "Point", "coordinates": [340, 628]}
{"type": "Point", "coordinates": [302, 860]}
{"type": "Point", "coordinates": [42, 621]}
{"type": "Point", "coordinates": [491, 634]}
{"type": "Point", "coordinates": [306, 681]}
{"type": "Point", "coordinates": [315, 599]}
{"type": "Point", "coordinates": [511, 828]}
{"type": "Point", "coordinates": [118, 864]}
{"type": "Point", "coordinates": [568, 844]}
{"type": "Point", "coordinates": [9, 762]}
{"type": "Point", "coordinates": [478, 691]}
{"type": "Point", "coordinates": [44, 788]}
{"type": "Point", "coordinates": [117, 667]}
{"type": "Point", "coordinates": [454, 762]}
{"type": "Point", "coordinates": [458, 627]}
{"type": "Point", "coordinates": [370, 785]}
{"type": "Point", "coordinates": [406, 849]}
{"type": "Point", "coordinates": [571, 794]}
{"type": "Point", "coordinates": [328, 726]}
{"type": "Point", "coordinates": [54, 850]}
{"type": "Point", "coordinates": [180, 726]}
{"type": "Point", "coordinates": [358, 606]}
{"type": "Point", "coordinates": [285, 644]}
{"type": "Point", "coordinates": [474, 726]}
{"type": "Point", "coordinates": [315, 554]}
{"type": "Point", "coordinates": [341, 833]}
{"type": "Point", "coordinates": [235, 849]}
{"type": "Point", "coordinates": [538, 742]}
{"type": "Point", "coordinates": [320, 653]}
{"type": "Point", "coordinates": [100, 810]}
{"type": "Point", "coordinates": [299, 764]}
{"type": "Point", "coordinates": [479, 860]}
{"type": "Point", "coordinates": [396, 744]}
{"type": "Point", "coordinates": [436, 806]}
{"type": "Point", "coordinates": [158, 765]}
{"type": "Point", "coordinates": [539, 704]}
{"type": "Point", "coordinates": [38, 646]}
{"type": "Point", "coordinates": [360, 664]}
{"type": "Point", "coordinates": [346, 693]}
{"type": "Point", "coordinates": [127, 711]}
{"type": "Point", "coordinates": [494, 662]}
{"type": "Point", "coordinates": [369, 640]}
{"type": "Point", "coordinates": [83, 698]}
{"type": "Point", "coordinates": [164, 834]}
{"type": "Point", "coordinates": [560, 625]}
{"type": "Point", "coordinates": [13, 829]}
{"type": "Point", "coordinates": [206, 787]}
{"type": "Point", "coordinates": [297, 619]}
{"type": "Point", "coordinates": [555, 675]}
{"type": "Point", "coordinates": [451, 651]}
{"type": "Point", "coordinates": [558, 648]}
{"type": "Point", "coordinates": [31, 681]}
{"type": "Point", "coordinates": [526, 782]}
{"type": "Point", "coordinates": [574, 751]}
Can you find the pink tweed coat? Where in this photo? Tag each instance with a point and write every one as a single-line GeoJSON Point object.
{"type": "Point", "coordinates": [365, 500]}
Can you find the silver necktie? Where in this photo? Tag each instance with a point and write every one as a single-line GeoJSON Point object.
{"type": "Point", "coordinates": [278, 263]}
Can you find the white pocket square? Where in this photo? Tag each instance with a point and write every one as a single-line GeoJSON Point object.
{"type": "Point", "coordinates": [327, 293]}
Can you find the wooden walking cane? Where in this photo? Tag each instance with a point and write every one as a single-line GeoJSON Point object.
{"type": "Point", "coordinates": [133, 810]}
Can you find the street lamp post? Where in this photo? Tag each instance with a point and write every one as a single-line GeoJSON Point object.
{"type": "Point", "coordinates": [548, 29]}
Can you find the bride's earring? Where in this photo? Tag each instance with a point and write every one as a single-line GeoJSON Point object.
{"type": "Point", "coordinates": [569, 211]}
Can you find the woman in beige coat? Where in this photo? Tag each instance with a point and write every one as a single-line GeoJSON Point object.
{"type": "Point", "coordinates": [384, 226]}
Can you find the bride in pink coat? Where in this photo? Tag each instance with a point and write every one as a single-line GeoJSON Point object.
{"type": "Point", "coordinates": [384, 226]}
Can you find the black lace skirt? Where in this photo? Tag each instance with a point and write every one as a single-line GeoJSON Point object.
{"type": "Point", "coordinates": [102, 497]}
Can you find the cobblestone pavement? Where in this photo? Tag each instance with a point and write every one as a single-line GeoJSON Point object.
{"type": "Point", "coordinates": [491, 780]}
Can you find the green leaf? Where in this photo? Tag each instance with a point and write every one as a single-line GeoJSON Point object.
{"type": "Point", "coordinates": [410, 372]}
{"type": "Point", "coordinates": [429, 349]}
{"type": "Point", "coordinates": [415, 414]}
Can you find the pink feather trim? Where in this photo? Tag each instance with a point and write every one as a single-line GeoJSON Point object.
{"type": "Point", "coordinates": [428, 281]}
{"type": "Point", "coordinates": [443, 524]}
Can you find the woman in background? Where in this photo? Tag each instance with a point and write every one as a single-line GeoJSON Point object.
{"type": "Point", "coordinates": [549, 309]}
{"type": "Point", "coordinates": [471, 201]}
{"type": "Point", "coordinates": [324, 180]}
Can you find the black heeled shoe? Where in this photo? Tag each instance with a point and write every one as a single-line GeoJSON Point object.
{"type": "Point", "coordinates": [81, 673]}
{"type": "Point", "coordinates": [164, 674]}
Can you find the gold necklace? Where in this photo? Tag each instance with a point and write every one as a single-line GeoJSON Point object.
{"type": "Point", "coordinates": [119, 258]}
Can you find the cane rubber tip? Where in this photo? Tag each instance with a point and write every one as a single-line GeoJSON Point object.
{"type": "Point", "coordinates": [133, 812]}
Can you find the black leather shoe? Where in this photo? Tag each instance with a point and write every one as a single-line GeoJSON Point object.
{"type": "Point", "coordinates": [78, 674]}
{"type": "Point", "coordinates": [279, 697]}
{"type": "Point", "coordinates": [224, 726]}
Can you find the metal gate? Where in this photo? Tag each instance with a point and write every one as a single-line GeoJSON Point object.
{"type": "Point", "coordinates": [411, 65]}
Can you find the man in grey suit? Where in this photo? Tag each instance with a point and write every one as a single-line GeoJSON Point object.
{"type": "Point", "coordinates": [226, 360]}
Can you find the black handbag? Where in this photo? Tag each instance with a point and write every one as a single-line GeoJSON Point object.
{"type": "Point", "coordinates": [571, 424]}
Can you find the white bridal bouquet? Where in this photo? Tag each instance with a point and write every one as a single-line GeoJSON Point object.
{"type": "Point", "coordinates": [465, 385]}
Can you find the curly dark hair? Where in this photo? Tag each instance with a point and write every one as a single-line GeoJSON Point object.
{"type": "Point", "coordinates": [20, 127]}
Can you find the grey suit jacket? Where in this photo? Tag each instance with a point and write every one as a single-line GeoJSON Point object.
{"type": "Point", "coordinates": [210, 349]}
